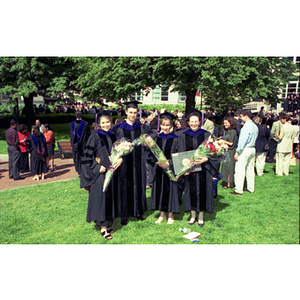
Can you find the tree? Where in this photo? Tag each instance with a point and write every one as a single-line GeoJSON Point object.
{"type": "Point", "coordinates": [114, 78]}
{"type": "Point", "coordinates": [32, 76]}
{"type": "Point", "coordinates": [226, 82]}
{"type": "Point", "coordinates": [236, 79]}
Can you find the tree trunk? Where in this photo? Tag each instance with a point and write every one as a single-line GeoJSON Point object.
{"type": "Point", "coordinates": [190, 101]}
{"type": "Point", "coordinates": [29, 112]}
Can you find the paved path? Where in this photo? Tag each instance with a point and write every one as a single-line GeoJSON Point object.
{"type": "Point", "coordinates": [65, 170]}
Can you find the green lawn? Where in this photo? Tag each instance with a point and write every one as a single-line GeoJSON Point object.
{"type": "Point", "coordinates": [55, 213]}
{"type": "Point", "coordinates": [61, 133]}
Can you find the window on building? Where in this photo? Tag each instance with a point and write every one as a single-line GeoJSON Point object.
{"type": "Point", "coordinates": [181, 96]}
{"type": "Point", "coordinates": [137, 96]}
{"type": "Point", "coordinates": [164, 94]}
{"type": "Point", "coordinates": [298, 61]}
{"type": "Point", "coordinates": [291, 88]}
{"type": "Point", "coordinates": [156, 94]}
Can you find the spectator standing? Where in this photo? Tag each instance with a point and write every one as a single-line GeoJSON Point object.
{"type": "Point", "coordinates": [38, 123]}
{"type": "Point", "coordinates": [50, 142]}
{"type": "Point", "coordinates": [36, 144]}
{"type": "Point", "coordinates": [13, 149]}
{"type": "Point", "coordinates": [276, 126]}
{"type": "Point", "coordinates": [261, 141]}
{"type": "Point", "coordinates": [229, 138]}
{"type": "Point", "coordinates": [79, 134]}
{"type": "Point", "coordinates": [284, 147]}
{"type": "Point", "coordinates": [245, 155]}
{"type": "Point", "coordinates": [296, 127]}
{"type": "Point", "coordinates": [23, 135]}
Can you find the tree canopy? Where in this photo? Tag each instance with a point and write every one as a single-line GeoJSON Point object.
{"type": "Point", "coordinates": [225, 82]}
{"type": "Point", "coordinates": [33, 76]}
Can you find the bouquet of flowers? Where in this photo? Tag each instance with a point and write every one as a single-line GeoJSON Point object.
{"type": "Point", "coordinates": [146, 139]}
{"type": "Point", "coordinates": [209, 148]}
{"type": "Point", "coordinates": [119, 148]}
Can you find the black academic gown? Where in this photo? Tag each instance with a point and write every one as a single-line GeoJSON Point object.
{"type": "Point", "coordinates": [197, 186]}
{"type": "Point", "coordinates": [36, 145]}
{"type": "Point", "coordinates": [164, 193]}
{"type": "Point", "coordinates": [79, 134]}
{"type": "Point", "coordinates": [132, 172]}
{"type": "Point", "coordinates": [102, 206]}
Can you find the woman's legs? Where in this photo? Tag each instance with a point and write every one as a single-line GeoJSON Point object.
{"type": "Point", "coordinates": [201, 218]}
{"type": "Point", "coordinates": [161, 217]}
{"type": "Point", "coordinates": [170, 218]}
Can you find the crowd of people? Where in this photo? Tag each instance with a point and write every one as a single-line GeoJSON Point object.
{"type": "Point", "coordinates": [252, 139]}
{"type": "Point", "coordinates": [40, 143]}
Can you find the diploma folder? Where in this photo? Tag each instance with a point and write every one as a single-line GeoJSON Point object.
{"type": "Point", "coordinates": [180, 159]}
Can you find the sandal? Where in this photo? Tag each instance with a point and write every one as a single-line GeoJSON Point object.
{"type": "Point", "coordinates": [170, 220]}
{"type": "Point", "coordinates": [110, 230]}
{"type": "Point", "coordinates": [225, 187]}
{"type": "Point", "coordinates": [160, 219]}
{"type": "Point", "coordinates": [106, 235]}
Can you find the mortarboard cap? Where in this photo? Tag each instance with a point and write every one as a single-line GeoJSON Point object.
{"type": "Point", "coordinates": [133, 104]}
{"type": "Point", "coordinates": [167, 115]}
{"type": "Point", "coordinates": [194, 111]}
{"type": "Point", "coordinates": [104, 113]}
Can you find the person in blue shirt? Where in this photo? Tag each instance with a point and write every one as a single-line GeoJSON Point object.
{"type": "Point", "coordinates": [245, 155]}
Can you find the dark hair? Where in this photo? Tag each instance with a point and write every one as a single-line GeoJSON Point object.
{"type": "Point", "coordinates": [294, 122]}
{"type": "Point", "coordinates": [47, 126]}
{"type": "Point", "coordinates": [246, 112]}
{"type": "Point", "coordinates": [22, 127]}
{"type": "Point", "coordinates": [36, 130]}
{"type": "Point", "coordinates": [237, 113]}
{"type": "Point", "coordinates": [13, 122]}
{"type": "Point", "coordinates": [232, 122]}
{"type": "Point", "coordinates": [78, 114]}
{"type": "Point", "coordinates": [183, 124]}
{"type": "Point", "coordinates": [283, 115]}
{"type": "Point", "coordinates": [119, 121]}
{"type": "Point", "coordinates": [154, 123]}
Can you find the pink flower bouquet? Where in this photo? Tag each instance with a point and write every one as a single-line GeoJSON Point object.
{"type": "Point", "coordinates": [209, 148]}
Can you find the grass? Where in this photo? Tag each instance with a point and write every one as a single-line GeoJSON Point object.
{"type": "Point", "coordinates": [61, 133]}
{"type": "Point", "coordinates": [55, 213]}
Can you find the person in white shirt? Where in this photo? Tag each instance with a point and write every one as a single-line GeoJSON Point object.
{"type": "Point", "coordinates": [245, 155]}
{"type": "Point", "coordinates": [285, 146]}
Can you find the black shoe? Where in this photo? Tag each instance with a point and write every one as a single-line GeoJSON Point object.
{"type": "Point", "coordinates": [124, 222]}
{"type": "Point", "coordinates": [20, 178]}
{"type": "Point", "coordinates": [191, 223]}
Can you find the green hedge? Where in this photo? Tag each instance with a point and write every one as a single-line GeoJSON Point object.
{"type": "Point", "coordinates": [50, 119]}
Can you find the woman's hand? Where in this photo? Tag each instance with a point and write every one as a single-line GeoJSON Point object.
{"type": "Point", "coordinates": [201, 160]}
{"type": "Point", "coordinates": [118, 163]}
{"type": "Point", "coordinates": [102, 169]}
{"type": "Point", "coordinates": [164, 165]}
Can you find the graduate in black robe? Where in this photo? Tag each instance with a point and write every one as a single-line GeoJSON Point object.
{"type": "Point", "coordinates": [197, 186]}
{"type": "Point", "coordinates": [37, 146]}
{"type": "Point", "coordinates": [164, 193]}
{"type": "Point", "coordinates": [79, 134]}
{"type": "Point", "coordinates": [132, 173]}
{"type": "Point", "coordinates": [102, 206]}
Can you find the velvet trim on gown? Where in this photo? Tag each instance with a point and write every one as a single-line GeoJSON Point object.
{"type": "Point", "coordinates": [132, 172]}
{"type": "Point", "coordinates": [102, 206]}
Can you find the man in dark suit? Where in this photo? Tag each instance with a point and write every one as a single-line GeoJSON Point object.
{"type": "Point", "coordinates": [79, 134]}
{"type": "Point", "coordinates": [13, 149]}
